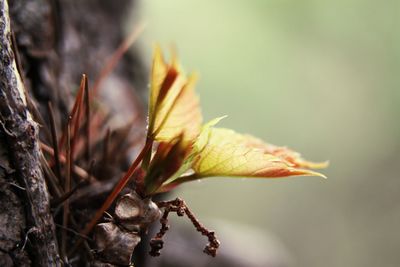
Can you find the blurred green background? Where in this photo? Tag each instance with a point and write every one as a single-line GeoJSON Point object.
{"type": "Point", "coordinates": [321, 77]}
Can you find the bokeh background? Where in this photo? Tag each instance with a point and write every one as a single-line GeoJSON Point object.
{"type": "Point", "coordinates": [321, 77]}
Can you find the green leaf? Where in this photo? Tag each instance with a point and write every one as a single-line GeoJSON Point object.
{"type": "Point", "coordinates": [228, 153]}
{"type": "Point", "coordinates": [200, 143]}
{"type": "Point", "coordinates": [205, 134]}
{"type": "Point", "coordinates": [158, 73]}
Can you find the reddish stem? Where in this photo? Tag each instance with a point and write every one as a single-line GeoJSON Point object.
{"type": "Point", "coordinates": [77, 102]}
{"type": "Point", "coordinates": [117, 189]}
{"type": "Point", "coordinates": [78, 115]}
{"type": "Point", "coordinates": [87, 125]}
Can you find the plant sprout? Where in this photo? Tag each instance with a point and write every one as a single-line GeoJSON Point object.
{"type": "Point", "coordinates": [178, 148]}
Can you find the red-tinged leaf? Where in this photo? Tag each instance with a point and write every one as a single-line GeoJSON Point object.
{"type": "Point", "coordinates": [158, 72]}
{"type": "Point", "coordinates": [223, 152]}
{"type": "Point", "coordinates": [228, 153]}
{"type": "Point", "coordinates": [167, 160]}
{"type": "Point", "coordinates": [184, 117]}
{"type": "Point", "coordinates": [293, 158]}
{"type": "Point", "coordinates": [174, 106]}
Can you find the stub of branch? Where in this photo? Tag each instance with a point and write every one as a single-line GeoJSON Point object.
{"type": "Point", "coordinates": [131, 210]}
{"type": "Point", "coordinates": [23, 146]}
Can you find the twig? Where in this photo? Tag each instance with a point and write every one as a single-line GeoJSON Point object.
{"type": "Point", "coordinates": [179, 206]}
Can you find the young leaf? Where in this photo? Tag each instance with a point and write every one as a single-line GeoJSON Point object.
{"type": "Point", "coordinates": [158, 72]}
{"type": "Point", "coordinates": [203, 137]}
{"type": "Point", "coordinates": [195, 149]}
{"type": "Point", "coordinates": [293, 158]}
{"type": "Point", "coordinates": [174, 107]}
{"type": "Point", "coordinates": [228, 153]}
{"type": "Point", "coordinates": [183, 117]}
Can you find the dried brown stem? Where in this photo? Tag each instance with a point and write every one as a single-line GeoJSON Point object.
{"type": "Point", "coordinates": [179, 206]}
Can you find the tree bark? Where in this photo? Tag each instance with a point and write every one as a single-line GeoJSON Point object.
{"type": "Point", "coordinates": [21, 135]}
{"type": "Point", "coordinates": [56, 41]}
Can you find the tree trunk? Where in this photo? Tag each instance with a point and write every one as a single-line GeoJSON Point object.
{"type": "Point", "coordinates": [46, 45]}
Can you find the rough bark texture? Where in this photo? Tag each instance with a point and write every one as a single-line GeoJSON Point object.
{"type": "Point", "coordinates": [21, 134]}
{"type": "Point", "coordinates": [12, 215]}
{"type": "Point", "coordinates": [56, 41]}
